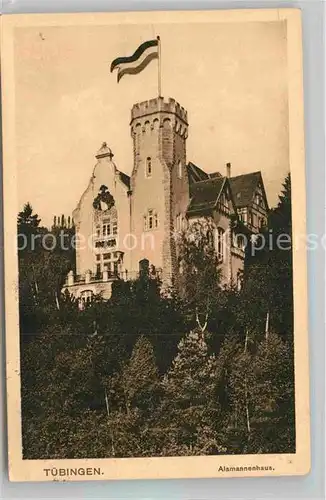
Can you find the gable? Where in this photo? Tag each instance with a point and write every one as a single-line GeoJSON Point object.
{"type": "Point", "coordinates": [195, 174]}
{"type": "Point", "coordinates": [243, 188]}
{"type": "Point", "coordinates": [211, 194]}
{"type": "Point", "coordinates": [204, 194]}
{"type": "Point", "coordinates": [259, 197]}
{"type": "Point", "coordinates": [225, 202]}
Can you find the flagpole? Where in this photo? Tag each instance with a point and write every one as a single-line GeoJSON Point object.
{"type": "Point", "coordinates": [159, 82]}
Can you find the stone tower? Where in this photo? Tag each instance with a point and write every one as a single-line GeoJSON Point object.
{"type": "Point", "coordinates": [159, 181]}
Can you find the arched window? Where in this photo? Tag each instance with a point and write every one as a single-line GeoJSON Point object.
{"type": "Point", "coordinates": [167, 123]}
{"type": "Point", "coordinates": [240, 241]}
{"type": "Point", "coordinates": [149, 167]}
{"type": "Point", "coordinates": [180, 169]}
{"type": "Point", "coordinates": [220, 244]}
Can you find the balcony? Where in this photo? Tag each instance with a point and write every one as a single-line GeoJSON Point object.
{"type": "Point", "coordinates": [89, 277]}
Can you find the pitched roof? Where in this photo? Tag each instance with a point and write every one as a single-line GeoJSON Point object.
{"type": "Point", "coordinates": [195, 173]}
{"type": "Point", "coordinates": [243, 188]}
{"type": "Point", "coordinates": [125, 179]}
{"type": "Point", "coordinates": [205, 188]}
{"type": "Point", "coordinates": [204, 194]}
{"type": "Point", "coordinates": [215, 174]}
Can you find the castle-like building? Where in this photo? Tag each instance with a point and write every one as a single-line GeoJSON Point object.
{"type": "Point", "coordinates": [127, 223]}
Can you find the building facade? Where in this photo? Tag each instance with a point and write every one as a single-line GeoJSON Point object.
{"type": "Point", "coordinates": [124, 222]}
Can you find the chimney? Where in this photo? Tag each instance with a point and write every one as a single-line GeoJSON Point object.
{"type": "Point", "coordinates": [228, 170]}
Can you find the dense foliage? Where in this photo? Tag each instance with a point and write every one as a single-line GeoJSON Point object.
{"type": "Point", "coordinates": [147, 373]}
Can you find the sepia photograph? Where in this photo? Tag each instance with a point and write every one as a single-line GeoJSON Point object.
{"type": "Point", "coordinates": [154, 201]}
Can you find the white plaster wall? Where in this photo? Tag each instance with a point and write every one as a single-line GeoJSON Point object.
{"type": "Point", "coordinates": [104, 173]}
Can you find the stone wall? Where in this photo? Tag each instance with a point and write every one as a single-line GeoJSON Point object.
{"type": "Point", "coordinates": [159, 130]}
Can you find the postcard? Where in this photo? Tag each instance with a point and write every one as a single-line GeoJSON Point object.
{"type": "Point", "coordinates": [155, 245]}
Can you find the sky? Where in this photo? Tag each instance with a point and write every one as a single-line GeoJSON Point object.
{"type": "Point", "coordinates": [231, 78]}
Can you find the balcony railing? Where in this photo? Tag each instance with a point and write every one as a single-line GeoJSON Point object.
{"type": "Point", "coordinates": [107, 276]}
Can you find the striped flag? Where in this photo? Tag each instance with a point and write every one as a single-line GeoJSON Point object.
{"type": "Point", "coordinates": [138, 61]}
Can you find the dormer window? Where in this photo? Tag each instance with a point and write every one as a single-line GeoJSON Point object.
{"type": "Point", "coordinates": [180, 170]}
{"type": "Point", "coordinates": [148, 166]}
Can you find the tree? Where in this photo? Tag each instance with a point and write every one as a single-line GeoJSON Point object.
{"type": "Point", "coordinates": [133, 395]}
{"type": "Point", "coordinates": [190, 410]}
{"type": "Point", "coordinates": [281, 216]}
{"type": "Point", "coordinates": [42, 269]}
{"type": "Point", "coordinates": [64, 376]}
{"type": "Point", "coordinates": [151, 313]}
{"type": "Point", "coordinates": [257, 391]}
{"type": "Point", "coordinates": [28, 255]}
{"type": "Point", "coordinates": [27, 222]}
{"type": "Point", "coordinates": [199, 275]}
{"type": "Point", "coordinates": [272, 396]}
{"type": "Point", "coordinates": [268, 275]}
{"type": "Point", "coordinates": [140, 375]}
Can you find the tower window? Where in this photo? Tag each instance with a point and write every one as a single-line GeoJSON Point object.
{"type": "Point", "coordinates": [180, 169]}
{"type": "Point", "coordinates": [149, 167]}
{"type": "Point", "coordinates": [151, 220]}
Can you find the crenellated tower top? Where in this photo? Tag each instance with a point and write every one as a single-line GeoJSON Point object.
{"type": "Point", "coordinates": [171, 106]}
{"type": "Point", "coordinates": [154, 113]}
